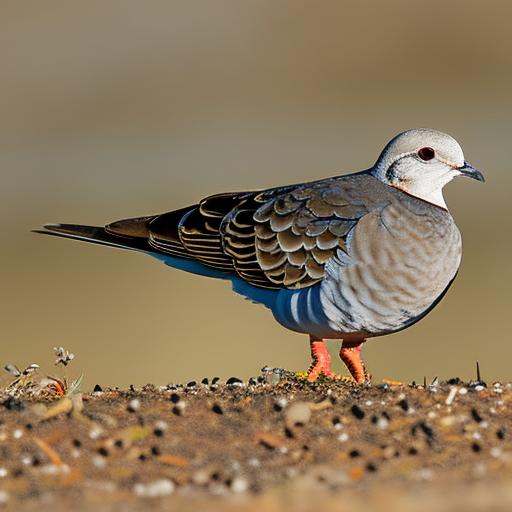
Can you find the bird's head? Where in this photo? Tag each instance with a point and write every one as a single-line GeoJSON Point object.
{"type": "Point", "coordinates": [421, 162]}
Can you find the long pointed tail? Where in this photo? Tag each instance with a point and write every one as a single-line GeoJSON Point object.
{"type": "Point", "coordinates": [95, 235]}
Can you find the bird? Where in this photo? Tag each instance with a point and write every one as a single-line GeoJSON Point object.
{"type": "Point", "coordinates": [348, 258]}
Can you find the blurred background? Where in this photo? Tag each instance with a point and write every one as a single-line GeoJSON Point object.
{"type": "Point", "coordinates": [123, 108]}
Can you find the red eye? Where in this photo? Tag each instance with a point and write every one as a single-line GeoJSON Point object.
{"type": "Point", "coordinates": [426, 153]}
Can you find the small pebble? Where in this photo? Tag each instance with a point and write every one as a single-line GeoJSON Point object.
{"type": "Point", "coordinates": [160, 428]}
{"type": "Point", "coordinates": [496, 452]}
{"type": "Point", "coordinates": [99, 461]}
{"type": "Point", "coordinates": [4, 497]}
{"type": "Point", "coordinates": [298, 414]}
{"type": "Point", "coordinates": [133, 405]}
{"type": "Point", "coordinates": [239, 485]}
{"type": "Point", "coordinates": [403, 404]}
{"type": "Point", "coordinates": [371, 467]}
{"type": "Point", "coordinates": [357, 412]}
{"type": "Point", "coordinates": [280, 404]}
{"type": "Point", "coordinates": [382, 423]}
{"type": "Point", "coordinates": [201, 477]}
{"type": "Point", "coordinates": [103, 451]}
{"type": "Point", "coordinates": [155, 489]}
{"type": "Point", "coordinates": [337, 422]}
{"type": "Point", "coordinates": [424, 474]}
{"type": "Point", "coordinates": [179, 408]}
{"type": "Point", "coordinates": [451, 396]}
{"type": "Point", "coordinates": [13, 404]}
{"type": "Point", "coordinates": [475, 415]}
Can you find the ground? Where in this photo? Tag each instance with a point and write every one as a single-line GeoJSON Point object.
{"type": "Point", "coordinates": [273, 443]}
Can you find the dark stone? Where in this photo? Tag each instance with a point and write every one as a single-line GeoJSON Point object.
{"type": "Point", "coordinates": [404, 405]}
{"type": "Point", "coordinates": [103, 451]}
{"type": "Point", "coordinates": [217, 409]}
{"type": "Point", "coordinates": [357, 412]}
{"type": "Point", "coordinates": [371, 467]}
{"type": "Point", "coordinates": [288, 433]}
{"type": "Point", "coordinates": [476, 416]}
{"type": "Point", "coordinates": [13, 404]}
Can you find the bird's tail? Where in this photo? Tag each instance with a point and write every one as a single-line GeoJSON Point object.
{"type": "Point", "coordinates": [95, 235]}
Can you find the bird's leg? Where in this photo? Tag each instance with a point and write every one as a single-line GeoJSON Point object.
{"type": "Point", "coordinates": [321, 360]}
{"type": "Point", "coordinates": [350, 354]}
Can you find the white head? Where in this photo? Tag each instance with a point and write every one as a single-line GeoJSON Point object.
{"type": "Point", "coordinates": [421, 162]}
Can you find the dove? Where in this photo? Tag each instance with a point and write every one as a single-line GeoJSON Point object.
{"type": "Point", "coordinates": [348, 258]}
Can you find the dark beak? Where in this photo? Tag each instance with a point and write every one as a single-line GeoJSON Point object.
{"type": "Point", "coordinates": [468, 170]}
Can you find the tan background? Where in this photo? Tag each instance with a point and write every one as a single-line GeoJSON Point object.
{"type": "Point", "coordinates": [114, 109]}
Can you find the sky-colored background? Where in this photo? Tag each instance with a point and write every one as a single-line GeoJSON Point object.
{"type": "Point", "coordinates": [122, 108]}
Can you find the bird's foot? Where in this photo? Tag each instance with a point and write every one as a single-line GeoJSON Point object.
{"type": "Point", "coordinates": [321, 364]}
{"type": "Point", "coordinates": [317, 370]}
{"type": "Point", "coordinates": [351, 356]}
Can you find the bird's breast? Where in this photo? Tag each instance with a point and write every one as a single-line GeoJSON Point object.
{"type": "Point", "coordinates": [400, 260]}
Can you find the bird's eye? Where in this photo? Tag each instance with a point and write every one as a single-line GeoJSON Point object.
{"type": "Point", "coordinates": [426, 153]}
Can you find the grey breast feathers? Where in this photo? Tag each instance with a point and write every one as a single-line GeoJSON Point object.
{"type": "Point", "coordinates": [281, 237]}
{"type": "Point", "coordinates": [404, 254]}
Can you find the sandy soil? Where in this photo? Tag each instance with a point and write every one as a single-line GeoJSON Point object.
{"type": "Point", "coordinates": [272, 443]}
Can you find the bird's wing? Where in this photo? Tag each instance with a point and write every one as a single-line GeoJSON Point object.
{"type": "Point", "coordinates": [277, 238]}
{"type": "Point", "coordinates": [289, 238]}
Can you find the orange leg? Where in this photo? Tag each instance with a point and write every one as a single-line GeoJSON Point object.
{"type": "Point", "coordinates": [351, 356]}
{"type": "Point", "coordinates": [321, 360]}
